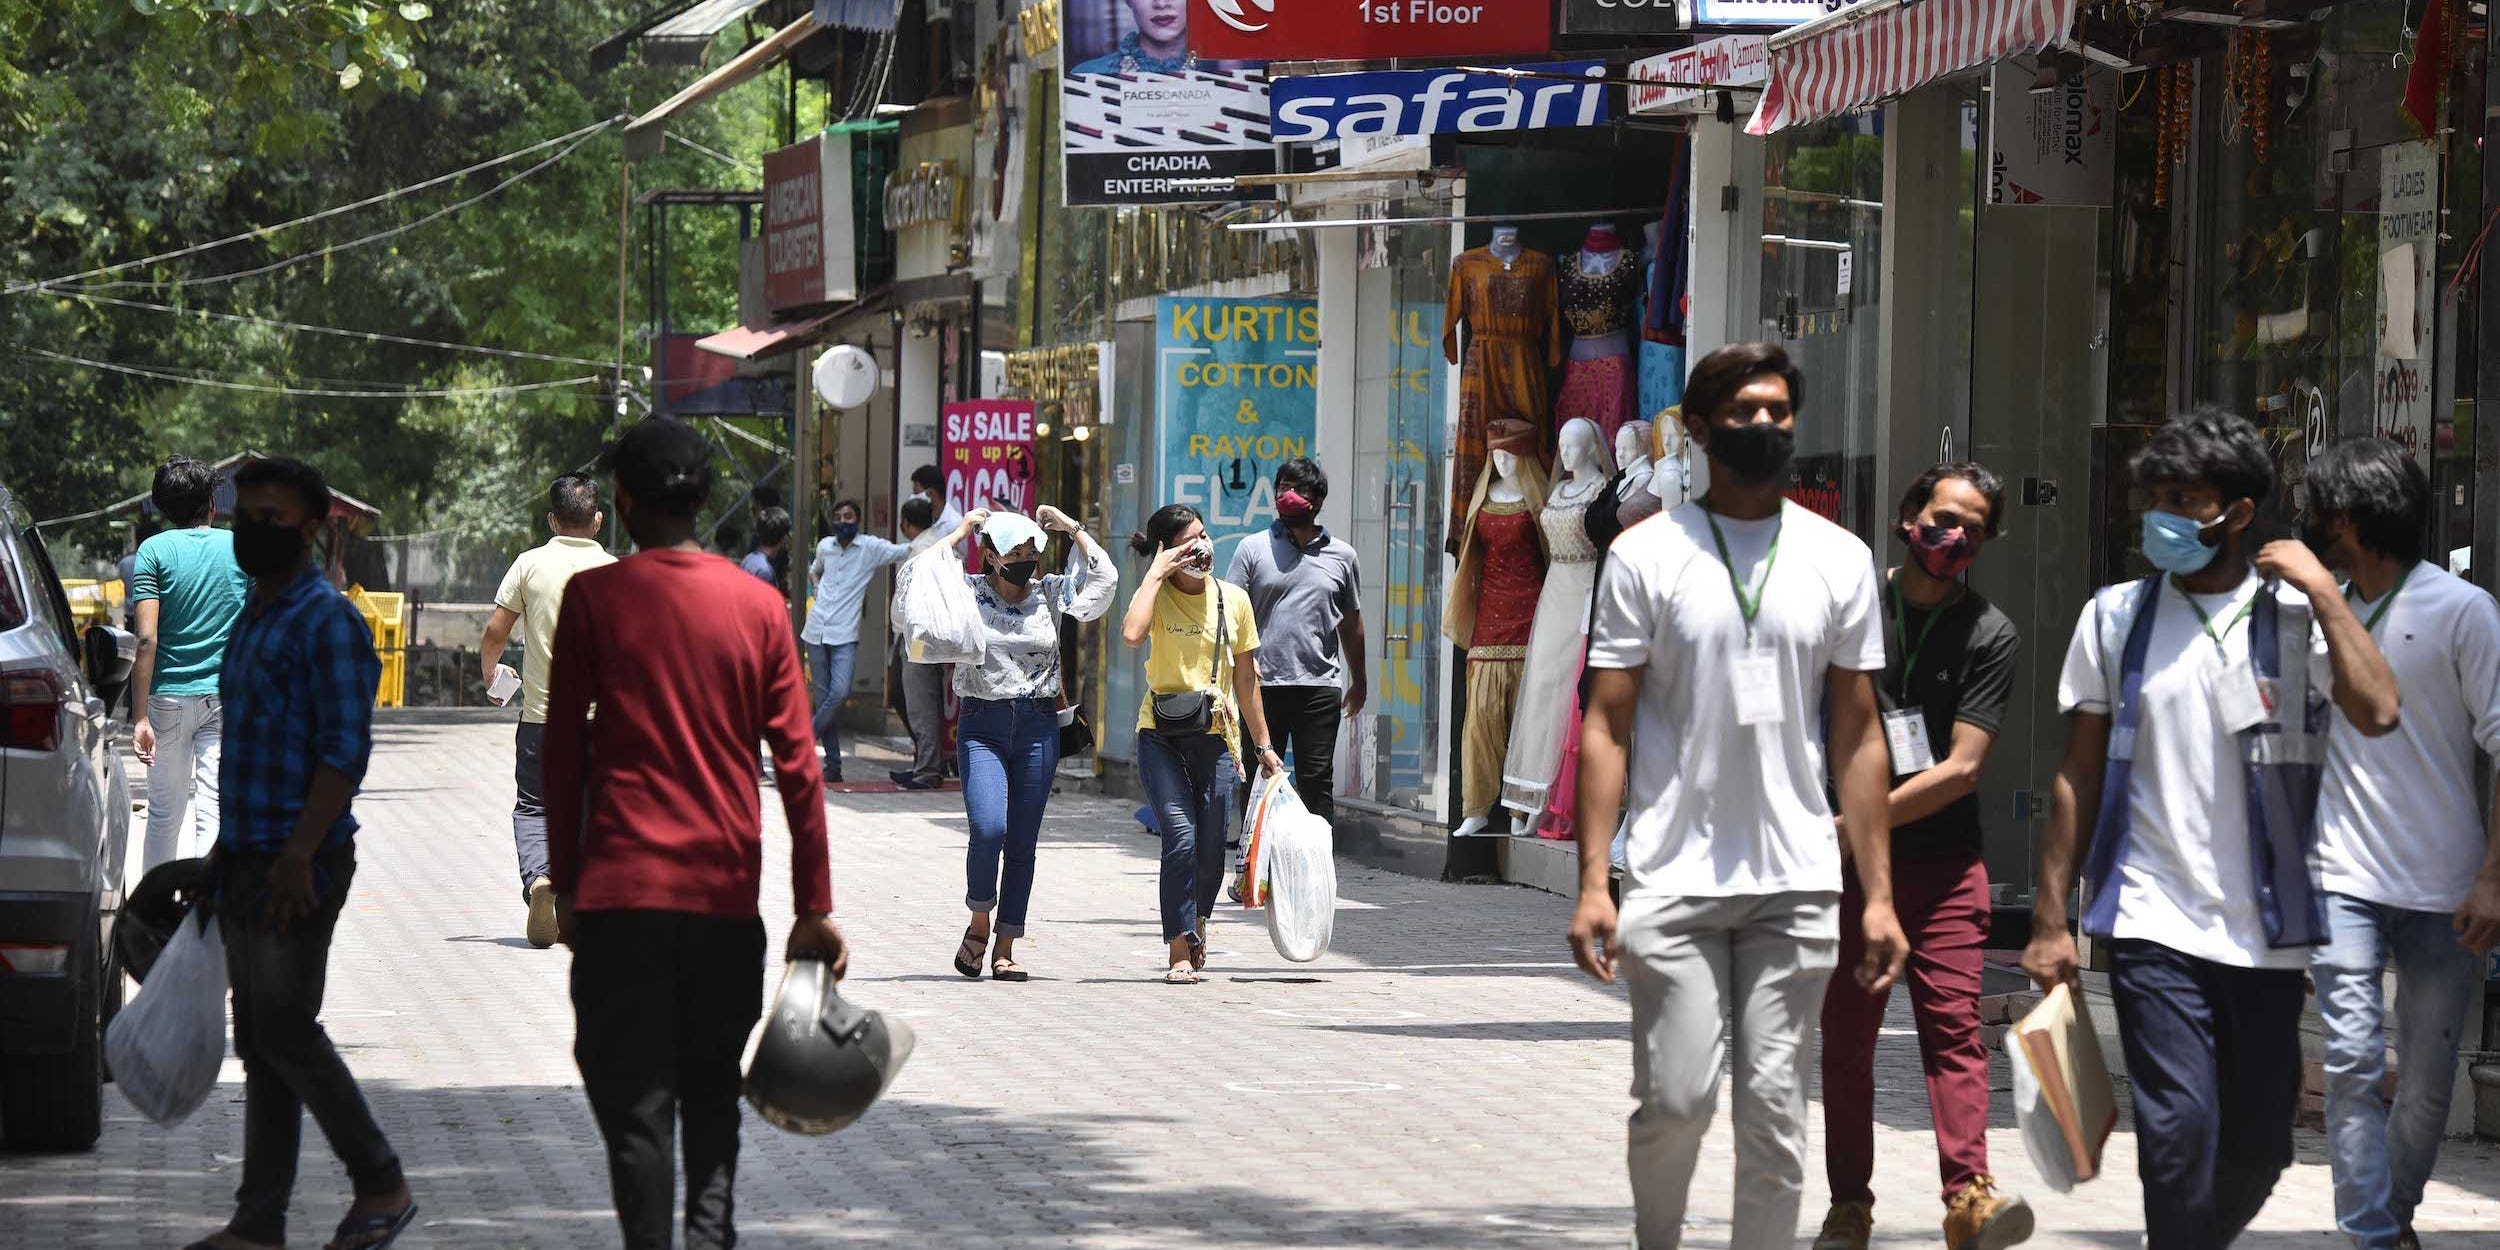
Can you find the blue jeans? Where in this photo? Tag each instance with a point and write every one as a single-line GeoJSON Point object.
{"type": "Point", "coordinates": [2381, 1155]}
{"type": "Point", "coordinates": [2207, 1045]}
{"type": "Point", "coordinates": [1189, 788]}
{"type": "Point", "coordinates": [829, 682]}
{"type": "Point", "coordinates": [1007, 751]}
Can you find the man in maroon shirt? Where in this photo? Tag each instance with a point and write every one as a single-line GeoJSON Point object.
{"type": "Point", "coordinates": [655, 833]}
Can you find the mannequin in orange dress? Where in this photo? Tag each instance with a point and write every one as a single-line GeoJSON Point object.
{"type": "Point", "coordinates": [1505, 296]}
{"type": "Point", "coordinates": [1489, 613]}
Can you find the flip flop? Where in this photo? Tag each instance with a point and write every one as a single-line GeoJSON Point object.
{"type": "Point", "coordinates": [1180, 974]}
{"type": "Point", "coordinates": [1197, 952]}
{"type": "Point", "coordinates": [1008, 970]}
{"type": "Point", "coordinates": [968, 955]}
{"type": "Point", "coordinates": [388, 1226]}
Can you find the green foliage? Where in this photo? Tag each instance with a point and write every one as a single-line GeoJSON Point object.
{"type": "Point", "coordinates": [120, 139]}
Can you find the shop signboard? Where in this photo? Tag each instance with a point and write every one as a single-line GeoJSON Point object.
{"type": "Point", "coordinates": [1730, 61]}
{"type": "Point", "coordinates": [1334, 30]}
{"type": "Point", "coordinates": [2408, 246]}
{"type": "Point", "coordinates": [1659, 17]}
{"type": "Point", "coordinates": [1236, 395]}
{"type": "Point", "coordinates": [985, 448]}
{"type": "Point", "coordinates": [1438, 101]}
{"type": "Point", "coordinates": [2054, 148]}
{"type": "Point", "coordinates": [810, 256]}
{"type": "Point", "coordinates": [1145, 121]}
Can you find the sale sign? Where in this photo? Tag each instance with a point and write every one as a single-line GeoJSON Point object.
{"type": "Point", "coordinates": [1336, 30]}
{"type": "Point", "coordinates": [985, 448]}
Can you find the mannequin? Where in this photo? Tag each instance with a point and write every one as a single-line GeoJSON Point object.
{"type": "Point", "coordinates": [1490, 612]}
{"type": "Point", "coordinates": [1504, 294]}
{"type": "Point", "coordinates": [1601, 295]}
{"type": "Point", "coordinates": [1675, 473]}
{"type": "Point", "coordinates": [1627, 500]}
{"type": "Point", "coordinates": [1548, 717]}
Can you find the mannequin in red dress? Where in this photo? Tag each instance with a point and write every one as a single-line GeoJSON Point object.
{"type": "Point", "coordinates": [1489, 613]}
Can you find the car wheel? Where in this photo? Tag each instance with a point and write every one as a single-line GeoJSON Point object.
{"type": "Point", "coordinates": [56, 1102]}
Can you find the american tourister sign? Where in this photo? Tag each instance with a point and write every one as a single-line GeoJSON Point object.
{"type": "Point", "coordinates": [1343, 30]}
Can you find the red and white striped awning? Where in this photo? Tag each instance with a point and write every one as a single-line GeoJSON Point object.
{"type": "Point", "coordinates": [1877, 49]}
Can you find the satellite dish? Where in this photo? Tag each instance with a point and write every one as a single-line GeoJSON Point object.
{"type": "Point", "coordinates": [846, 376]}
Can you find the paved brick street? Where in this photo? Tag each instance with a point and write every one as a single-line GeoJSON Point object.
{"type": "Point", "coordinates": [1442, 1078]}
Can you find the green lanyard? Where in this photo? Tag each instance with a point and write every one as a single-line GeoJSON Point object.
{"type": "Point", "coordinates": [2371, 625]}
{"type": "Point", "coordinates": [1901, 626]}
{"type": "Point", "coordinates": [1748, 604]}
{"type": "Point", "coordinates": [2227, 626]}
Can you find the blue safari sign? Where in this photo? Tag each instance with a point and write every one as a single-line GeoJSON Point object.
{"type": "Point", "coordinates": [1236, 394]}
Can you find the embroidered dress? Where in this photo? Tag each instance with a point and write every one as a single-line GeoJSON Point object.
{"type": "Point", "coordinates": [1514, 339]}
{"type": "Point", "coordinates": [1600, 308]}
{"type": "Point", "coordinates": [1548, 714]}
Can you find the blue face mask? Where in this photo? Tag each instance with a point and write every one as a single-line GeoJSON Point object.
{"type": "Point", "coordinates": [2176, 544]}
{"type": "Point", "coordinates": [846, 531]}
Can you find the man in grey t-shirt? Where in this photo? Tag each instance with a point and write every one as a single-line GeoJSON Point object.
{"type": "Point", "coordinates": [1306, 593]}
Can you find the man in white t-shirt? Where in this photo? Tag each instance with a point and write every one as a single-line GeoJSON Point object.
{"type": "Point", "coordinates": [2411, 878]}
{"type": "Point", "coordinates": [1735, 639]}
{"type": "Point", "coordinates": [2185, 693]}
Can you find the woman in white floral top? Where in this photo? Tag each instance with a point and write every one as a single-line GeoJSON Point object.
{"type": "Point", "coordinates": [1007, 732]}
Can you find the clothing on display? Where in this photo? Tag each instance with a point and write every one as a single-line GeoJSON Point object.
{"type": "Point", "coordinates": [1600, 295]}
{"type": "Point", "coordinates": [1504, 295]}
{"type": "Point", "coordinates": [1548, 715]}
{"type": "Point", "coordinates": [1491, 611]}
{"type": "Point", "coordinates": [1663, 305]}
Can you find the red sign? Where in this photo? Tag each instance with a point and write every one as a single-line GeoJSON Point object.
{"type": "Point", "coordinates": [794, 225]}
{"type": "Point", "coordinates": [985, 447]}
{"type": "Point", "coordinates": [1335, 30]}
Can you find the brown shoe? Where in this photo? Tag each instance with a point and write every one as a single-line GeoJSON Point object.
{"type": "Point", "coordinates": [1847, 1227]}
{"type": "Point", "coordinates": [1980, 1218]}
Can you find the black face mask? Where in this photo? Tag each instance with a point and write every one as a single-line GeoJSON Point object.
{"type": "Point", "coordinates": [1755, 452]}
{"type": "Point", "coordinates": [1019, 573]}
{"type": "Point", "coordinates": [263, 549]}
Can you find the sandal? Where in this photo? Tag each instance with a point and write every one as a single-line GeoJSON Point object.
{"type": "Point", "coordinates": [968, 955]}
{"type": "Point", "coordinates": [1180, 974]}
{"type": "Point", "coordinates": [1008, 970]}
{"type": "Point", "coordinates": [1197, 952]}
{"type": "Point", "coordinates": [382, 1229]}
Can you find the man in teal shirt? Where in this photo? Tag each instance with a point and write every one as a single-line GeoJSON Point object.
{"type": "Point", "coordinates": [186, 591]}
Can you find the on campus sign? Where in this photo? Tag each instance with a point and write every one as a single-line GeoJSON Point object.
{"type": "Point", "coordinates": [1433, 101]}
{"type": "Point", "coordinates": [1343, 30]}
{"type": "Point", "coordinates": [1657, 17]}
{"type": "Point", "coordinates": [1236, 395]}
{"type": "Point", "coordinates": [1728, 61]}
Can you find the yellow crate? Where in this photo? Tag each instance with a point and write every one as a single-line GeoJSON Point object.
{"type": "Point", "coordinates": [93, 602]}
{"type": "Point", "coordinates": [386, 614]}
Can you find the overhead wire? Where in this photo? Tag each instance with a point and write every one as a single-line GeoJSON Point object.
{"type": "Point", "coordinates": [262, 232]}
{"type": "Point", "coordinates": [752, 171]}
{"type": "Point", "coordinates": [414, 392]}
{"type": "Point", "coordinates": [370, 336]}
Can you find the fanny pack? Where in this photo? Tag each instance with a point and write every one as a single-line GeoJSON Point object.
{"type": "Point", "coordinates": [1188, 712]}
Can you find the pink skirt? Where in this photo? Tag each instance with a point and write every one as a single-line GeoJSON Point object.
{"type": "Point", "coordinates": [1597, 390]}
{"type": "Point", "coordinates": [1564, 798]}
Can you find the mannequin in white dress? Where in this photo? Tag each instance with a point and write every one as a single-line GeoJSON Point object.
{"type": "Point", "coordinates": [1548, 716]}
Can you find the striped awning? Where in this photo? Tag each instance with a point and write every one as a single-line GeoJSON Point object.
{"type": "Point", "coordinates": [1877, 49]}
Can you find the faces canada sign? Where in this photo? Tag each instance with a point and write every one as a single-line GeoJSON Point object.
{"type": "Point", "coordinates": [1431, 101]}
{"type": "Point", "coordinates": [1339, 30]}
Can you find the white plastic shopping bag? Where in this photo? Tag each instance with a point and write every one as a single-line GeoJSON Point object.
{"type": "Point", "coordinates": [1254, 837]}
{"type": "Point", "coordinates": [1299, 866]}
{"type": "Point", "coordinates": [166, 1046]}
{"type": "Point", "coordinates": [1358, 741]}
{"type": "Point", "coordinates": [941, 622]}
{"type": "Point", "coordinates": [2064, 1100]}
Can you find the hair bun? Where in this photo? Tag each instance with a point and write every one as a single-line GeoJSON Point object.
{"type": "Point", "coordinates": [1139, 543]}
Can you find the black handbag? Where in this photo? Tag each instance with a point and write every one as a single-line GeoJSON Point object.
{"type": "Point", "coordinates": [1185, 713]}
{"type": "Point", "coordinates": [1076, 733]}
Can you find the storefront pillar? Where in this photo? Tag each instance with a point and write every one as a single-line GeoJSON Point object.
{"type": "Point", "coordinates": [1726, 284]}
{"type": "Point", "coordinates": [1923, 358]}
{"type": "Point", "coordinates": [919, 365]}
{"type": "Point", "coordinates": [1339, 334]}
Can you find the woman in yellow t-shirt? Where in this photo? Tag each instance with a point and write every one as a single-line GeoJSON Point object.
{"type": "Point", "coordinates": [1202, 691]}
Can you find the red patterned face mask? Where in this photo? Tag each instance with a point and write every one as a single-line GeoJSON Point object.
{"type": "Point", "coordinates": [1292, 505]}
{"type": "Point", "coordinates": [1944, 552]}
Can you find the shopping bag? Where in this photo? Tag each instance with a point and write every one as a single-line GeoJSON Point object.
{"type": "Point", "coordinates": [1298, 858]}
{"type": "Point", "coordinates": [166, 1046]}
{"type": "Point", "coordinates": [2063, 1098]}
{"type": "Point", "coordinates": [941, 621]}
{"type": "Point", "coordinates": [1254, 837]}
{"type": "Point", "coordinates": [1358, 740]}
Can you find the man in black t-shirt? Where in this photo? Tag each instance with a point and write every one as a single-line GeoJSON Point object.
{"type": "Point", "coordinates": [1949, 665]}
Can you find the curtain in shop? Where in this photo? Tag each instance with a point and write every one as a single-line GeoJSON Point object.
{"type": "Point", "coordinates": [1883, 48]}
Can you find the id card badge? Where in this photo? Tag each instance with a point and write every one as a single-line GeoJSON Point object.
{"type": "Point", "coordinates": [1756, 679]}
{"type": "Point", "coordinates": [1905, 731]}
{"type": "Point", "coordinates": [2241, 698]}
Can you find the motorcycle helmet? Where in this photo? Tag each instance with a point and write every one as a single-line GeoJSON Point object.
{"type": "Point", "coordinates": [823, 1061]}
{"type": "Point", "coordinates": [151, 911]}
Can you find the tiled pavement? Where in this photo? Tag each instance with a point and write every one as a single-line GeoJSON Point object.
{"type": "Point", "coordinates": [1442, 1078]}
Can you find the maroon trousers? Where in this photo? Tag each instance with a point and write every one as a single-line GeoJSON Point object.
{"type": "Point", "coordinates": [1943, 905]}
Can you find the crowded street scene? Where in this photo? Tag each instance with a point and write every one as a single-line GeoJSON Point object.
{"type": "Point", "coordinates": [1739, 624]}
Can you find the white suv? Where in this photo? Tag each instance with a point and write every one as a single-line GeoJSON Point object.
{"type": "Point", "coordinates": [64, 828]}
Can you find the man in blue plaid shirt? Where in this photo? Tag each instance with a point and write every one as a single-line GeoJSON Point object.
{"type": "Point", "coordinates": [298, 684]}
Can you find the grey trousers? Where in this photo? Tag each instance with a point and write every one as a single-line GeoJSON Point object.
{"type": "Point", "coordinates": [1692, 963]}
{"type": "Point", "coordinates": [924, 713]}
{"type": "Point", "coordinates": [529, 803]}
